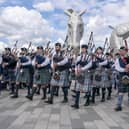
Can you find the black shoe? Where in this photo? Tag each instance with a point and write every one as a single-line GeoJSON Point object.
{"type": "Point", "coordinates": [65, 101]}
{"type": "Point", "coordinates": [29, 97]}
{"type": "Point", "coordinates": [108, 98]}
{"type": "Point", "coordinates": [75, 106]}
{"type": "Point", "coordinates": [11, 93]}
{"type": "Point", "coordinates": [38, 93]}
{"type": "Point", "coordinates": [14, 96]}
{"type": "Point", "coordinates": [119, 108]}
{"type": "Point", "coordinates": [73, 91]}
{"type": "Point", "coordinates": [102, 100]}
{"type": "Point", "coordinates": [49, 102]}
{"type": "Point", "coordinates": [56, 94]}
{"type": "Point", "coordinates": [43, 98]}
{"type": "Point", "coordinates": [86, 104]}
{"type": "Point", "coordinates": [92, 101]}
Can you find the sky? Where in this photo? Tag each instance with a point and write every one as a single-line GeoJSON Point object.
{"type": "Point", "coordinates": [40, 21]}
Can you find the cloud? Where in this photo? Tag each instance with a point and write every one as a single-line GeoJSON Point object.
{"type": "Point", "coordinates": [65, 4]}
{"type": "Point", "coordinates": [2, 46]}
{"type": "Point", "coordinates": [19, 23]}
{"type": "Point", "coordinates": [2, 1]}
{"type": "Point", "coordinates": [44, 6]}
{"type": "Point", "coordinates": [101, 15]}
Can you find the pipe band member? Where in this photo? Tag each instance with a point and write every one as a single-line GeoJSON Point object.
{"type": "Point", "coordinates": [122, 66]}
{"type": "Point", "coordinates": [23, 71]}
{"type": "Point", "coordinates": [42, 73]}
{"type": "Point", "coordinates": [83, 76]}
{"type": "Point", "coordinates": [60, 76]}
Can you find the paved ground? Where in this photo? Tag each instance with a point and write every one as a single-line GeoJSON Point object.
{"type": "Point", "coordinates": [23, 114]}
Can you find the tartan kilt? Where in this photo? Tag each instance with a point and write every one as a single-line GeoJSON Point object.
{"type": "Point", "coordinates": [5, 76]}
{"type": "Point", "coordinates": [72, 75]}
{"type": "Point", "coordinates": [63, 81]}
{"type": "Point", "coordinates": [96, 82]}
{"type": "Point", "coordinates": [122, 88]}
{"type": "Point", "coordinates": [87, 85]}
{"type": "Point", "coordinates": [23, 76]}
{"type": "Point", "coordinates": [5, 79]}
{"type": "Point", "coordinates": [106, 79]}
{"type": "Point", "coordinates": [42, 76]}
{"type": "Point", "coordinates": [12, 75]}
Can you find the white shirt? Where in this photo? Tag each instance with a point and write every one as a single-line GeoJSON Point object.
{"type": "Point", "coordinates": [86, 67]}
{"type": "Point", "coordinates": [118, 67]}
{"type": "Point", "coordinates": [61, 63]}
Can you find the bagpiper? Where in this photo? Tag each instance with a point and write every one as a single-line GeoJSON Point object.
{"type": "Point", "coordinates": [42, 73]}
{"type": "Point", "coordinates": [9, 67]}
{"type": "Point", "coordinates": [5, 60]}
{"type": "Point", "coordinates": [109, 67]}
{"type": "Point", "coordinates": [83, 76]}
{"type": "Point", "coordinates": [1, 71]}
{"type": "Point", "coordinates": [102, 75]}
{"type": "Point", "coordinates": [122, 66]}
{"type": "Point", "coordinates": [60, 78]}
{"type": "Point", "coordinates": [96, 82]}
{"type": "Point", "coordinates": [106, 76]}
{"type": "Point", "coordinates": [115, 73]}
{"type": "Point", "coordinates": [23, 72]}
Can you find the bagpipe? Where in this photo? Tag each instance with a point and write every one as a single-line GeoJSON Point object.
{"type": "Point", "coordinates": [48, 50]}
{"type": "Point", "coordinates": [56, 75]}
{"type": "Point", "coordinates": [125, 80]}
{"type": "Point", "coordinates": [14, 50]}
